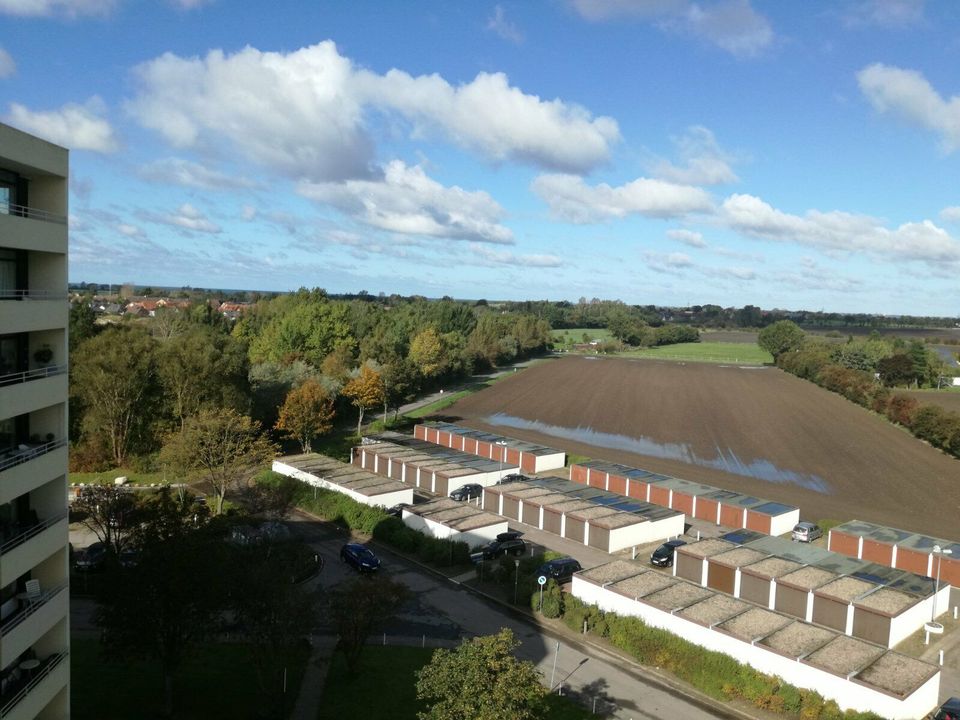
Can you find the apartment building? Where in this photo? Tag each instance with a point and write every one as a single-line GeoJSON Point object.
{"type": "Point", "coordinates": [34, 550]}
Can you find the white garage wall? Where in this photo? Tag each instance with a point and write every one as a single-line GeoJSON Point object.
{"type": "Point", "coordinates": [402, 495]}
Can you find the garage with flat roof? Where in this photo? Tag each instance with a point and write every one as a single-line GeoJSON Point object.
{"type": "Point", "coordinates": [325, 472]}
{"type": "Point", "coordinates": [529, 457]}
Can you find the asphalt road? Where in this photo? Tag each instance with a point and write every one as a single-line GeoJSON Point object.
{"type": "Point", "coordinates": [446, 612]}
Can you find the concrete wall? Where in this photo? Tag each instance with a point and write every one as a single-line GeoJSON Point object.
{"type": "Point", "coordinates": [643, 533]}
{"type": "Point", "coordinates": [472, 537]}
{"type": "Point", "coordinates": [848, 694]}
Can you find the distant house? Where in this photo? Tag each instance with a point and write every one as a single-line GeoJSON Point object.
{"type": "Point", "coordinates": [232, 310]}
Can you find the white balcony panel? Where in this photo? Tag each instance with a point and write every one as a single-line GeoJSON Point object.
{"type": "Point", "coordinates": [26, 233]}
{"type": "Point", "coordinates": [32, 628]}
{"type": "Point", "coordinates": [41, 694]}
{"type": "Point", "coordinates": [25, 397]}
{"type": "Point", "coordinates": [33, 473]}
{"type": "Point", "coordinates": [33, 314]}
{"type": "Point", "coordinates": [31, 553]}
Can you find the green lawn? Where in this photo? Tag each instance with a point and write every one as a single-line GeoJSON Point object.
{"type": "Point", "coordinates": [569, 336]}
{"type": "Point", "coordinates": [720, 352]}
{"type": "Point", "coordinates": [218, 681]}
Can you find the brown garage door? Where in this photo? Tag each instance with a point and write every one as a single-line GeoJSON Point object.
{"type": "Point", "coordinates": [511, 508]}
{"type": "Point", "coordinates": [721, 577]}
{"type": "Point", "coordinates": [829, 612]}
{"type": "Point", "coordinates": [599, 538]}
{"type": "Point", "coordinates": [531, 514]}
{"type": "Point", "coordinates": [755, 589]}
{"type": "Point", "coordinates": [574, 529]}
{"type": "Point", "coordinates": [551, 521]}
{"type": "Point", "coordinates": [791, 601]}
{"type": "Point", "coordinates": [871, 626]}
{"type": "Point", "coordinates": [690, 568]}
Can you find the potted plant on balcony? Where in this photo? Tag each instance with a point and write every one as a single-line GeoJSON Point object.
{"type": "Point", "coordinates": [43, 355]}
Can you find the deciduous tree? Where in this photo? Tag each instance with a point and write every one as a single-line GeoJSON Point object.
{"type": "Point", "coordinates": [307, 413]}
{"type": "Point", "coordinates": [426, 353]}
{"type": "Point", "coordinates": [365, 391]}
{"type": "Point", "coordinates": [781, 337]}
{"type": "Point", "coordinates": [361, 607]}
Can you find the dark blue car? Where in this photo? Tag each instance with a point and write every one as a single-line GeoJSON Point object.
{"type": "Point", "coordinates": [360, 557]}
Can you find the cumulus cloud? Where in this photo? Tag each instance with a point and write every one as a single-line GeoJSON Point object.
{"type": "Point", "coordinates": [907, 94]}
{"type": "Point", "coordinates": [499, 24]}
{"type": "Point", "coordinates": [703, 161]}
{"type": "Point", "coordinates": [687, 237]}
{"type": "Point", "coordinates": [302, 113]}
{"type": "Point", "coordinates": [62, 8]}
{"type": "Point", "coordinates": [77, 127]}
{"type": "Point", "coordinates": [732, 25]}
{"type": "Point", "coordinates": [130, 230]}
{"type": "Point", "coordinates": [496, 256]}
{"type": "Point", "coordinates": [405, 200]}
{"type": "Point", "coordinates": [950, 214]}
{"type": "Point", "coordinates": [177, 171]}
{"type": "Point", "coordinates": [186, 218]}
{"type": "Point", "coordinates": [839, 231]}
{"type": "Point", "coordinates": [571, 199]}
{"type": "Point", "coordinates": [885, 13]}
{"type": "Point", "coordinates": [7, 66]}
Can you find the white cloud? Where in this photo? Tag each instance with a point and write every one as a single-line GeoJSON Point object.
{"type": "Point", "coordinates": [7, 66]}
{"type": "Point", "coordinates": [703, 161]}
{"type": "Point", "coordinates": [908, 94]}
{"type": "Point", "coordinates": [248, 213]}
{"type": "Point", "coordinates": [77, 127]}
{"type": "Point", "coordinates": [571, 199]}
{"type": "Point", "coordinates": [838, 231]}
{"type": "Point", "coordinates": [667, 263]}
{"type": "Point", "coordinates": [885, 13]}
{"type": "Point", "coordinates": [186, 218]}
{"type": "Point", "coordinates": [190, 4]}
{"type": "Point", "coordinates": [63, 8]}
{"type": "Point", "coordinates": [407, 201]}
{"type": "Point", "coordinates": [507, 30]}
{"type": "Point", "coordinates": [177, 171]}
{"type": "Point", "coordinates": [496, 256]}
{"type": "Point", "coordinates": [951, 214]}
{"type": "Point", "coordinates": [130, 230]}
{"type": "Point", "coordinates": [687, 237]}
{"type": "Point", "coordinates": [732, 25]}
{"type": "Point", "coordinates": [302, 113]}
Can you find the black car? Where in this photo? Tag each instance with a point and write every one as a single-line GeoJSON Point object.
{"type": "Point", "coordinates": [512, 478]}
{"type": "Point", "coordinates": [496, 548]}
{"type": "Point", "coordinates": [950, 710]}
{"type": "Point", "coordinates": [360, 557]}
{"type": "Point", "coordinates": [509, 535]}
{"type": "Point", "coordinates": [91, 558]}
{"type": "Point", "coordinates": [560, 569]}
{"type": "Point", "coordinates": [470, 491]}
{"type": "Point", "coordinates": [397, 510]}
{"type": "Point", "coordinates": [663, 555]}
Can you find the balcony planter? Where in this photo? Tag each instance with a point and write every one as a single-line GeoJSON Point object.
{"type": "Point", "coordinates": [43, 355]}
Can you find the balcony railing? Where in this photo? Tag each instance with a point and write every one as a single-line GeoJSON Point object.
{"type": "Point", "coordinates": [28, 608]}
{"type": "Point", "coordinates": [9, 208]}
{"type": "Point", "coordinates": [19, 534]}
{"type": "Point", "coordinates": [25, 453]}
{"type": "Point", "coordinates": [16, 378]}
{"type": "Point", "coordinates": [21, 689]}
{"type": "Point", "coordinates": [27, 294]}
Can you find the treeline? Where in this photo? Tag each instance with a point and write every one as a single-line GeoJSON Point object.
{"type": "Point", "coordinates": [867, 372]}
{"type": "Point", "coordinates": [134, 383]}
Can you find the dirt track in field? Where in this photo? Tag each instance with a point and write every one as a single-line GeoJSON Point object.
{"type": "Point", "coordinates": [758, 431]}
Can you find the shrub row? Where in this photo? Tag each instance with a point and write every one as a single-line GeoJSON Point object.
{"type": "Point", "coordinates": [712, 673]}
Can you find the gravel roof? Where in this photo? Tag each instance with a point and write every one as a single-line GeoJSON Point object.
{"type": "Point", "coordinates": [887, 601]}
{"type": "Point", "coordinates": [643, 584]}
{"type": "Point", "coordinates": [845, 655]}
{"type": "Point", "coordinates": [347, 476]}
{"type": "Point", "coordinates": [754, 623]}
{"type": "Point", "coordinates": [459, 516]}
{"type": "Point", "coordinates": [897, 673]}
{"type": "Point", "coordinates": [845, 588]}
{"type": "Point", "coordinates": [612, 572]}
{"type": "Point", "coordinates": [707, 548]}
{"type": "Point", "coordinates": [798, 639]}
{"type": "Point", "coordinates": [715, 609]}
{"type": "Point", "coordinates": [771, 567]}
{"type": "Point", "coordinates": [592, 512]}
{"type": "Point", "coordinates": [678, 595]}
{"type": "Point", "coordinates": [621, 519]}
{"type": "Point", "coordinates": [738, 557]}
{"type": "Point", "coordinates": [808, 577]}
{"type": "Point", "coordinates": [529, 493]}
{"type": "Point", "coordinates": [571, 505]}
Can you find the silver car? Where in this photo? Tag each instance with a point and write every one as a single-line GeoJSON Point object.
{"type": "Point", "coordinates": [806, 532]}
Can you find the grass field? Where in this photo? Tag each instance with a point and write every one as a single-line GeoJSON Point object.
{"type": "Point", "coordinates": [218, 681]}
{"type": "Point", "coordinates": [392, 671]}
{"type": "Point", "coordinates": [720, 352]}
{"type": "Point", "coordinates": [569, 336]}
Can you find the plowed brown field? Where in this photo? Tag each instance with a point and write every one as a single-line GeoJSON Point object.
{"type": "Point", "coordinates": [754, 430]}
{"type": "Point", "coordinates": [947, 399]}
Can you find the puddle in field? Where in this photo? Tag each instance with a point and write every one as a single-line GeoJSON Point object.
{"type": "Point", "coordinates": [725, 460]}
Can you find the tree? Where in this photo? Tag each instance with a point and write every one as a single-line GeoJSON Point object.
{"type": "Point", "coordinates": [426, 353]}
{"type": "Point", "coordinates": [168, 601]}
{"type": "Point", "coordinates": [365, 391]}
{"type": "Point", "coordinates": [306, 413]}
{"type": "Point", "coordinates": [110, 512]}
{"type": "Point", "coordinates": [481, 680]}
{"type": "Point", "coordinates": [399, 384]}
{"type": "Point", "coordinates": [361, 607]}
{"type": "Point", "coordinates": [222, 447]}
{"type": "Point", "coordinates": [82, 322]}
{"type": "Point", "coordinates": [781, 337]}
{"type": "Point", "coordinates": [113, 376]}
{"type": "Point", "coordinates": [898, 369]}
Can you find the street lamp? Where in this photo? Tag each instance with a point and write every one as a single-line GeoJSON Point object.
{"type": "Point", "coordinates": [939, 552]}
{"type": "Point", "coordinates": [503, 453]}
{"type": "Point", "coordinates": [516, 579]}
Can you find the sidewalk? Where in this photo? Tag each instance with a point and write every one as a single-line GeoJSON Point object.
{"type": "Point", "coordinates": [307, 706]}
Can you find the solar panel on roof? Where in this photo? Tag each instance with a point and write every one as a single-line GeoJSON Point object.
{"type": "Point", "coordinates": [772, 508]}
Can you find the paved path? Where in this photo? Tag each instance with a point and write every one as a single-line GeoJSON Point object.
{"type": "Point", "coordinates": [314, 678]}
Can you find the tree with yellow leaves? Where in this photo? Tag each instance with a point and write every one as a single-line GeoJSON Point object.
{"type": "Point", "coordinates": [365, 391]}
{"type": "Point", "coordinates": [306, 413]}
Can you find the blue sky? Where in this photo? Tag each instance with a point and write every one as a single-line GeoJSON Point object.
{"type": "Point", "coordinates": [793, 155]}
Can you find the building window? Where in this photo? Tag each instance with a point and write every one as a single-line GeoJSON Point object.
{"type": "Point", "coordinates": [13, 273]}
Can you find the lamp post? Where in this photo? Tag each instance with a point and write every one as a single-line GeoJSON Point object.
{"type": "Point", "coordinates": [939, 552]}
{"type": "Point", "coordinates": [503, 453]}
{"type": "Point", "coordinates": [516, 579]}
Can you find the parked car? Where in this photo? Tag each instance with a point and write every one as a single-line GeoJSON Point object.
{"type": "Point", "coordinates": [560, 569]}
{"type": "Point", "coordinates": [470, 491]}
{"type": "Point", "coordinates": [496, 548]}
{"type": "Point", "coordinates": [129, 557]}
{"type": "Point", "coordinates": [91, 557]}
{"type": "Point", "coordinates": [509, 535]}
{"type": "Point", "coordinates": [950, 710]}
{"type": "Point", "coordinates": [359, 557]}
{"type": "Point", "coordinates": [663, 555]}
{"type": "Point", "coordinates": [806, 532]}
{"type": "Point", "coordinates": [512, 478]}
{"type": "Point", "coordinates": [397, 510]}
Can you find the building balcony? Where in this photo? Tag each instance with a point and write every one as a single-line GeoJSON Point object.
{"type": "Point", "coordinates": [30, 232]}
{"type": "Point", "coordinates": [24, 392]}
{"type": "Point", "coordinates": [23, 471]}
{"type": "Point", "coordinates": [28, 310]}
{"type": "Point", "coordinates": [26, 544]}
{"type": "Point", "coordinates": [31, 621]}
{"type": "Point", "coordinates": [27, 696]}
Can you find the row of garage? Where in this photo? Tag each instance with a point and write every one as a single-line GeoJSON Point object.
{"type": "Point", "coordinates": [448, 519]}
{"type": "Point", "coordinates": [329, 474]}
{"type": "Point", "coordinates": [529, 457]}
